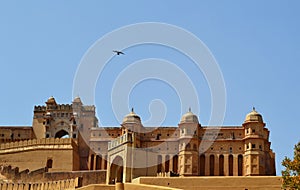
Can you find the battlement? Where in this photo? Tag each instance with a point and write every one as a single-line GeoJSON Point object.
{"type": "Point", "coordinates": [48, 143]}
{"type": "Point", "coordinates": [51, 185]}
{"type": "Point", "coordinates": [13, 176]}
{"type": "Point", "coordinates": [39, 108]}
{"type": "Point", "coordinates": [56, 107]}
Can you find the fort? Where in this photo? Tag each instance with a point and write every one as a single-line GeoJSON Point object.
{"type": "Point", "coordinates": [66, 149]}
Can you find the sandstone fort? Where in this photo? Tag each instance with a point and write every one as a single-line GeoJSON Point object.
{"type": "Point", "coordinates": [65, 148]}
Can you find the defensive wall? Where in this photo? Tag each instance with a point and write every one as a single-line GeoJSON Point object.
{"type": "Point", "coordinates": [57, 154]}
{"type": "Point", "coordinates": [195, 183]}
{"type": "Point", "coordinates": [42, 176]}
{"type": "Point", "coordinates": [214, 182]}
{"type": "Point", "coordinates": [67, 184]}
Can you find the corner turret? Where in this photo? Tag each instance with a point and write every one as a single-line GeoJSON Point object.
{"type": "Point", "coordinates": [189, 144]}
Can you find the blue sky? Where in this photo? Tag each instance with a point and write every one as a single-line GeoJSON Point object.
{"type": "Point", "coordinates": [256, 44]}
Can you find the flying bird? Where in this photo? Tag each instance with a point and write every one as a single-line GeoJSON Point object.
{"type": "Point", "coordinates": [118, 52]}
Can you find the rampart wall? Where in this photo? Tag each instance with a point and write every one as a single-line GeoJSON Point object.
{"type": "Point", "coordinates": [214, 182]}
{"type": "Point", "coordinates": [36, 144]}
{"type": "Point", "coordinates": [34, 154]}
{"type": "Point", "coordinates": [42, 175]}
{"type": "Point", "coordinates": [52, 185]}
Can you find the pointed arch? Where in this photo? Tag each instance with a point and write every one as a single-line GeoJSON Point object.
{"type": "Point", "coordinates": [62, 134]}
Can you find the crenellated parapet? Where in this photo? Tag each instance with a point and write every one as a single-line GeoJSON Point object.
{"type": "Point", "coordinates": [46, 143]}
{"type": "Point", "coordinates": [39, 108]}
{"type": "Point", "coordinates": [56, 107]}
{"type": "Point", "coordinates": [51, 185]}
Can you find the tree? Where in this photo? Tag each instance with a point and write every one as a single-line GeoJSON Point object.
{"type": "Point", "coordinates": [291, 174]}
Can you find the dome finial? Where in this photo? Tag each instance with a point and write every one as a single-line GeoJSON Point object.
{"type": "Point", "coordinates": [132, 110]}
{"type": "Point", "coordinates": [253, 116]}
{"type": "Point", "coordinates": [190, 110]}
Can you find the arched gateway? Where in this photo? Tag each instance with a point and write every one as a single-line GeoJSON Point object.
{"type": "Point", "coordinates": [116, 170]}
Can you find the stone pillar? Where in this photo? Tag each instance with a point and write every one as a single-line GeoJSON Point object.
{"type": "Point", "coordinates": [226, 165]}
{"type": "Point", "coordinates": [89, 162]}
{"type": "Point", "coordinates": [95, 161]}
{"type": "Point", "coordinates": [163, 163]}
{"type": "Point", "coordinates": [217, 165]}
{"type": "Point", "coordinates": [235, 164]}
{"type": "Point", "coordinates": [207, 164]}
{"type": "Point", "coordinates": [102, 162]}
{"type": "Point", "coordinates": [171, 163]}
{"type": "Point", "coordinates": [106, 162]}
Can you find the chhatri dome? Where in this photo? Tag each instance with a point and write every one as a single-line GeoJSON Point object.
{"type": "Point", "coordinates": [189, 117]}
{"type": "Point", "coordinates": [132, 117]}
{"type": "Point", "coordinates": [253, 116]}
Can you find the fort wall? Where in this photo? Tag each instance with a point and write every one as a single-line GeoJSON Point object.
{"type": "Point", "coordinates": [42, 175]}
{"type": "Point", "coordinates": [88, 177]}
{"type": "Point", "coordinates": [215, 183]}
{"type": "Point", "coordinates": [38, 153]}
{"type": "Point", "coordinates": [52, 185]}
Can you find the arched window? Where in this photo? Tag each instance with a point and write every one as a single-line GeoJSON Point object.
{"type": "Point", "coordinates": [240, 165]}
{"type": "Point", "coordinates": [230, 165]}
{"type": "Point", "coordinates": [202, 165]}
{"type": "Point", "coordinates": [211, 165]}
{"type": "Point", "coordinates": [221, 165]}
{"type": "Point", "coordinates": [49, 163]}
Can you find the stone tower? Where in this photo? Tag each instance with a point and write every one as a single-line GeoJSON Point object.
{"type": "Point", "coordinates": [188, 144]}
{"type": "Point", "coordinates": [66, 121]}
{"type": "Point", "coordinates": [54, 120]}
{"type": "Point", "coordinates": [257, 157]}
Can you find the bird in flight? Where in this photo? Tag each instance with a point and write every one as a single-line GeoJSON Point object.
{"type": "Point", "coordinates": [118, 52]}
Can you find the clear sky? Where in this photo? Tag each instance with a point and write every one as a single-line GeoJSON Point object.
{"type": "Point", "coordinates": [256, 44]}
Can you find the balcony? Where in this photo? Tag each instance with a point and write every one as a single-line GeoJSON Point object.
{"type": "Point", "coordinates": [127, 137]}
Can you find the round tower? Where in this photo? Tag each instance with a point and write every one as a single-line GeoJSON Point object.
{"type": "Point", "coordinates": [256, 137]}
{"type": "Point", "coordinates": [188, 144]}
